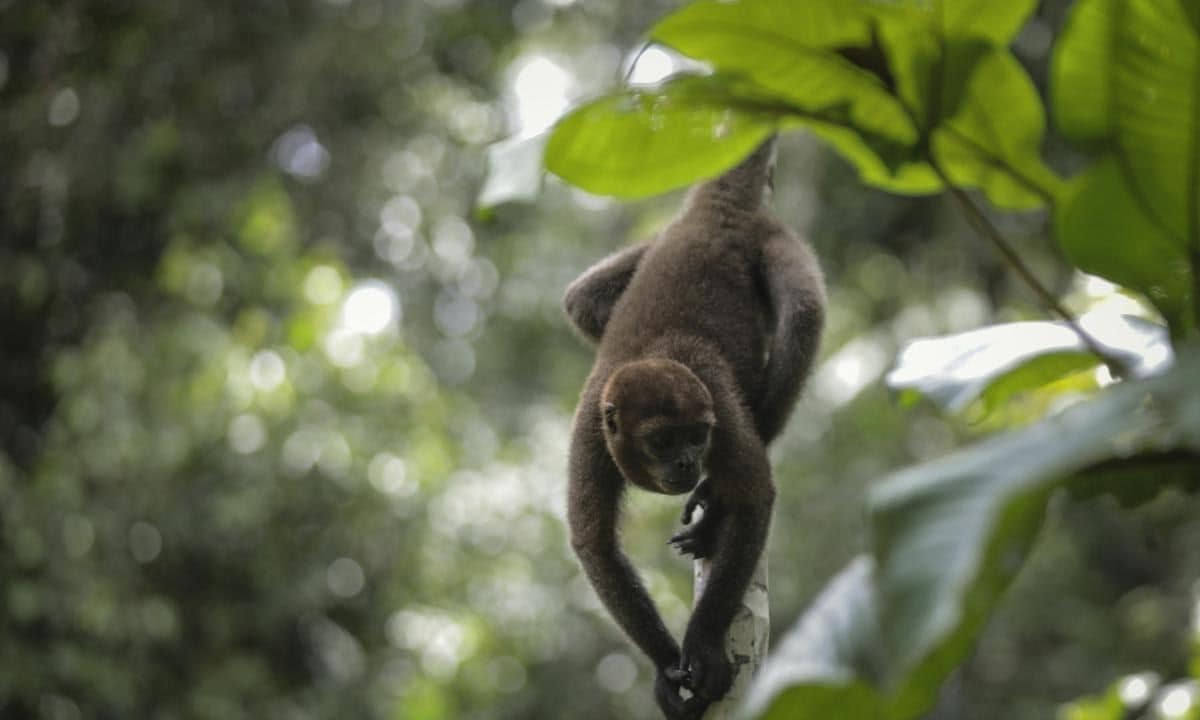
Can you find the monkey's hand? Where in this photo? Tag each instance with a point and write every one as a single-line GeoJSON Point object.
{"type": "Point", "coordinates": [699, 537]}
{"type": "Point", "coordinates": [674, 706]}
{"type": "Point", "coordinates": [709, 672]}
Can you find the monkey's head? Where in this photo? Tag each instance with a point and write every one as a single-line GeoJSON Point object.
{"type": "Point", "coordinates": [658, 418]}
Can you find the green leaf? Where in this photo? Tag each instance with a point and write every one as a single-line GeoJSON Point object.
{"type": "Point", "coordinates": [980, 111]}
{"type": "Point", "coordinates": [992, 133]}
{"type": "Point", "coordinates": [996, 22]}
{"type": "Point", "coordinates": [642, 142]}
{"type": "Point", "coordinates": [879, 163]}
{"type": "Point", "coordinates": [710, 28]}
{"type": "Point", "coordinates": [1081, 70]}
{"type": "Point", "coordinates": [950, 535]}
{"type": "Point", "coordinates": [791, 50]}
{"type": "Point", "coordinates": [1156, 77]}
{"type": "Point", "coordinates": [1000, 361]}
{"type": "Point", "coordinates": [1128, 71]}
{"type": "Point", "coordinates": [514, 171]}
{"type": "Point", "coordinates": [1106, 230]}
{"type": "Point", "coordinates": [823, 666]}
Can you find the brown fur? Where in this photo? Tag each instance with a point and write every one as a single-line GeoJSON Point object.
{"type": "Point", "coordinates": [717, 319]}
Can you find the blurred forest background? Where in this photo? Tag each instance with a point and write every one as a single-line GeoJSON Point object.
{"type": "Point", "coordinates": [283, 417]}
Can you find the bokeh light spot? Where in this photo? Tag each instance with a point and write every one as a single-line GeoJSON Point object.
{"type": "Point", "coordinates": [267, 370]}
{"type": "Point", "coordinates": [616, 672]}
{"type": "Point", "coordinates": [651, 67]}
{"type": "Point", "coordinates": [541, 88]}
{"type": "Point", "coordinates": [323, 285]}
{"type": "Point", "coordinates": [64, 108]}
{"type": "Point", "coordinates": [145, 542]}
{"type": "Point", "coordinates": [370, 308]}
{"type": "Point", "coordinates": [389, 475]}
{"type": "Point", "coordinates": [345, 577]}
{"type": "Point", "coordinates": [247, 434]}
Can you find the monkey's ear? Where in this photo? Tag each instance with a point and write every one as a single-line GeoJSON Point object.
{"type": "Point", "coordinates": [610, 418]}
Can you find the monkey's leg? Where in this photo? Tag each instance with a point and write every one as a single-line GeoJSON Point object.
{"type": "Point", "coordinates": [590, 297]}
{"type": "Point", "coordinates": [796, 290]}
{"type": "Point", "coordinates": [593, 506]}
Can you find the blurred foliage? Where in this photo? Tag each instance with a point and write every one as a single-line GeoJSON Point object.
{"type": "Point", "coordinates": [282, 425]}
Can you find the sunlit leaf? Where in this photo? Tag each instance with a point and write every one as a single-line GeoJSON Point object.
{"type": "Point", "coordinates": [514, 171]}
{"type": "Point", "coordinates": [642, 142]}
{"type": "Point", "coordinates": [996, 22]}
{"type": "Point", "coordinates": [955, 370]}
{"type": "Point", "coordinates": [1081, 70]}
{"type": "Point", "coordinates": [791, 50]}
{"type": "Point", "coordinates": [1125, 72]}
{"type": "Point", "coordinates": [992, 137]}
{"type": "Point", "coordinates": [1156, 68]}
{"type": "Point", "coordinates": [1106, 230]}
{"type": "Point", "coordinates": [823, 666]}
{"type": "Point", "coordinates": [880, 164]}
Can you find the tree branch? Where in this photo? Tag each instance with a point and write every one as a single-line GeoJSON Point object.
{"type": "Point", "coordinates": [748, 638]}
{"type": "Point", "coordinates": [982, 225]}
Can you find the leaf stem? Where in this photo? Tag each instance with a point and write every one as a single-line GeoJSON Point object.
{"type": "Point", "coordinates": [982, 225]}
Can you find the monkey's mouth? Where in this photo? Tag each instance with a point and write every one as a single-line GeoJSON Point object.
{"type": "Point", "coordinates": [680, 481]}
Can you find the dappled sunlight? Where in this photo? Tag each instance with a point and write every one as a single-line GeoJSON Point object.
{"type": "Point", "coordinates": [850, 369]}
{"type": "Point", "coordinates": [370, 308]}
{"type": "Point", "coordinates": [540, 90]}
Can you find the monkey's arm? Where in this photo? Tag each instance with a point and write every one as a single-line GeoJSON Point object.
{"type": "Point", "coordinates": [740, 497]}
{"type": "Point", "coordinates": [593, 502]}
{"type": "Point", "coordinates": [590, 298]}
{"type": "Point", "coordinates": [796, 291]}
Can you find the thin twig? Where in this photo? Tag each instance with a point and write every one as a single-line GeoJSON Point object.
{"type": "Point", "coordinates": [984, 227]}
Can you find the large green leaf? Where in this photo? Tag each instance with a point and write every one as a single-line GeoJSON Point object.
{"type": "Point", "coordinates": [1126, 74]}
{"type": "Point", "coordinates": [1106, 230]}
{"type": "Point", "coordinates": [992, 134]}
{"type": "Point", "coordinates": [995, 22]}
{"type": "Point", "coordinates": [980, 112]}
{"type": "Point", "coordinates": [1156, 79]}
{"type": "Point", "coordinates": [642, 142]}
{"type": "Point", "coordinates": [791, 50]}
{"type": "Point", "coordinates": [949, 536]}
{"type": "Point", "coordinates": [1081, 70]}
{"type": "Point", "coordinates": [879, 163]}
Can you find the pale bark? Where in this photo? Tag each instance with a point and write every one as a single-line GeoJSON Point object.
{"type": "Point", "coordinates": [749, 635]}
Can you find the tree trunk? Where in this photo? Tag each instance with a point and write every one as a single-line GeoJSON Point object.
{"type": "Point", "coordinates": [749, 635]}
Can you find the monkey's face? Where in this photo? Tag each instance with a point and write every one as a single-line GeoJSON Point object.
{"type": "Point", "coordinates": [658, 418]}
{"type": "Point", "coordinates": [673, 456]}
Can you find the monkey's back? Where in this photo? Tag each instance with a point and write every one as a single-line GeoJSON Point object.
{"type": "Point", "coordinates": [698, 289]}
